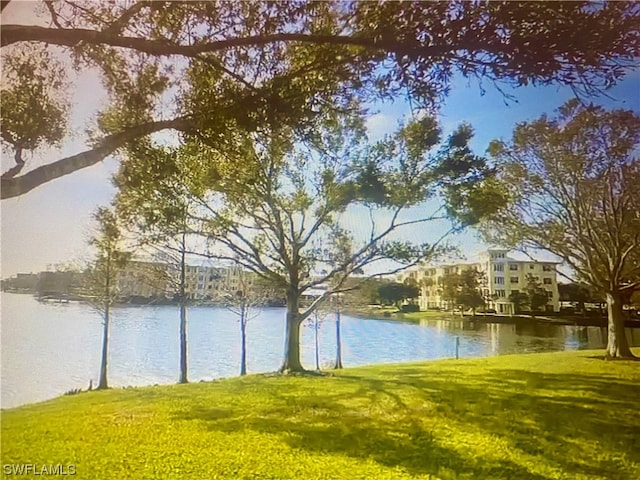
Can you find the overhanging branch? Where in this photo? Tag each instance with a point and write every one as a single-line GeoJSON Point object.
{"type": "Point", "coordinates": [13, 186]}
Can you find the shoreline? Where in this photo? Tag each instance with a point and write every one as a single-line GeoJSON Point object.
{"type": "Point", "coordinates": [417, 317]}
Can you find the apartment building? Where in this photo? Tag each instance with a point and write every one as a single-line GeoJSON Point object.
{"type": "Point", "coordinates": [503, 276]}
{"type": "Point", "coordinates": [160, 280]}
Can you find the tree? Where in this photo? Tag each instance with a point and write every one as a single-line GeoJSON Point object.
{"type": "Point", "coordinates": [338, 313]}
{"type": "Point", "coordinates": [103, 291]}
{"type": "Point", "coordinates": [304, 58]}
{"type": "Point", "coordinates": [394, 293]}
{"type": "Point", "coordinates": [34, 106]}
{"type": "Point", "coordinates": [470, 293]}
{"type": "Point", "coordinates": [519, 299]}
{"type": "Point", "coordinates": [572, 190]}
{"type": "Point", "coordinates": [536, 296]}
{"type": "Point", "coordinates": [243, 297]}
{"type": "Point", "coordinates": [275, 206]}
{"type": "Point", "coordinates": [449, 284]}
{"type": "Point", "coordinates": [579, 293]}
{"type": "Point", "coordinates": [316, 319]}
{"type": "Point", "coordinates": [463, 289]}
{"type": "Point", "coordinates": [153, 201]}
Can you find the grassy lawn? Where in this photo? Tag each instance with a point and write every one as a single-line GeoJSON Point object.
{"type": "Point", "coordinates": [426, 314]}
{"type": "Point", "coordinates": [392, 313]}
{"type": "Point", "coordinates": [542, 416]}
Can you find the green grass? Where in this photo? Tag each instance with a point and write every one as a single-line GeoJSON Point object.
{"type": "Point", "coordinates": [392, 313]}
{"type": "Point", "coordinates": [565, 415]}
{"type": "Point", "coordinates": [427, 314]}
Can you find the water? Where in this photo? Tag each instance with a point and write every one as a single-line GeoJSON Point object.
{"type": "Point", "coordinates": [48, 349]}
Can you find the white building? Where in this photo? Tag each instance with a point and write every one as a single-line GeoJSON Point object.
{"type": "Point", "coordinates": [503, 276]}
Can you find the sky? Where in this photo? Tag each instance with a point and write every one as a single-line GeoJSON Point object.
{"type": "Point", "coordinates": [51, 224]}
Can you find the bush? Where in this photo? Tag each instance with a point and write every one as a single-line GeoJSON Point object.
{"type": "Point", "coordinates": [410, 308]}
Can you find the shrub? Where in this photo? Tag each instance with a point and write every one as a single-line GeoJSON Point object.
{"type": "Point", "coordinates": [410, 308]}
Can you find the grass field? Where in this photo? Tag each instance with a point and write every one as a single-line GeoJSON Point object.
{"type": "Point", "coordinates": [567, 415]}
{"type": "Point", "coordinates": [392, 313]}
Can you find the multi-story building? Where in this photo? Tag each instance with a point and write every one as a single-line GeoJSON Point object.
{"type": "Point", "coordinates": [160, 280]}
{"type": "Point", "coordinates": [141, 280]}
{"type": "Point", "coordinates": [144, 279]}
{"type": "Point", "coordinates": [503, 276]}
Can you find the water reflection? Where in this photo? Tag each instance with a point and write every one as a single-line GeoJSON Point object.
{"type": "Point", "coordinates": [48, 349]}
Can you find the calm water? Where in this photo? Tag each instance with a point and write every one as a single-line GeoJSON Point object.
{"type": "Point", "coordinates": [48, 349]}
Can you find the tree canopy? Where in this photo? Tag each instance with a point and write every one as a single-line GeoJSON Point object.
{"type": "Point", "coordinates": [394, 293]}
{"type": "Point", "coordinates": [292, 62]}
{"type": "Point", "coordinates": [572, 187]}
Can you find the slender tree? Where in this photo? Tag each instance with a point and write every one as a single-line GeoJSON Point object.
{"type": "Point", "coordinates": [243, 296]}
{"type": "Point", "coordinates": [103, 287]}
{"type": "Point", "coordinates": [305, 58]}
{"type": "Point", "coordinates": [572, 188]}
{"type": "Point", "coordinates": [338, 306]}
{"type": "Point", "coordinates": [154, 204]}
{"type": "Point", "coordinates": [315, 321]}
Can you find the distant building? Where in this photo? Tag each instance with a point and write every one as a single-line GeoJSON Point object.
{"type": "Point", "coordinates": [147, 280]}
{"type": "Point", "coordinates": [60, 284]}
{"type": "Point", "coordinates": [503, 276]}
{"type": "Point", "coordinates": [140, 280]}
{"type": "Point", "coordinates": [144, 280]}
{"type": "Point", "coordinates": [22, 282]}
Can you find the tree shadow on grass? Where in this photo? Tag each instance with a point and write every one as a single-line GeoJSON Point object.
{"type": "Point", "coordinates": [577, 424]}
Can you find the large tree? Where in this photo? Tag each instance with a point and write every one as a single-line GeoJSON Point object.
{"type": "Point", "coordinates": [278, 207]}
{"type": "Point", "coordinates": [572, 184]}
{"type": "Point", "coordinates": [295, 60]}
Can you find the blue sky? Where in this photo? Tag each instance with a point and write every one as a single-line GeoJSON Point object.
{"type": "Point", "coordinates": [51, 224]}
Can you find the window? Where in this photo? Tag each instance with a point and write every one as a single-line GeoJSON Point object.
{"type": "Point", "coordinates": [546, 268]}
{"type": "Point", "coordinates": [547, 281]}
{"type": "Point", "coordinates": [515, 292]}
{"type": "Point", "coordinates": [513, 267]}
{"type": "Point", "coordinates": [531, 267]}
{"type": "Point", "coordinates": [500, 293]}
{"type": "Point", "coordinates": [498, 280]}
{"type": "Point", "coordinates": [515, 280]}
{"type": "Point", "coordinates": [498, 267]}
{"type": "Point", "coordinates": [550, 295]}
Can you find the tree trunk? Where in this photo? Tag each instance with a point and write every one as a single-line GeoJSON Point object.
{"type": "Point", "coordinates": [338, 341]}
{"type": "Point", "coordinates": [617, 344]}
{"type": "Point", "coordinates": [183, 343]}
{"type": "Point", "coordinates": [183, 312]}
{"type": "Point", "coordinates": [315, 331]}
{"type": "Point", "coordinates": [292, 336]}
{"type": "Point", "coordinates": [243, 346]}
{"type": "Point", "coordinates": [102, 384]}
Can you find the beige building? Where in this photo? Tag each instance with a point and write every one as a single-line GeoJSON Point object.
{"type": "Point", "coordinates": [159, 280]}
{"type": "Point", "coordinates": [503, 276]}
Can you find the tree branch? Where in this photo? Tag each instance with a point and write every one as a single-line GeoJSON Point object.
{"type": "Point", "coordinates": [15, 186]}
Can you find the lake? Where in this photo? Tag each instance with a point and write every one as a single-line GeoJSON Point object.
{"type": "Point", "coordinates": [49, 348]}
